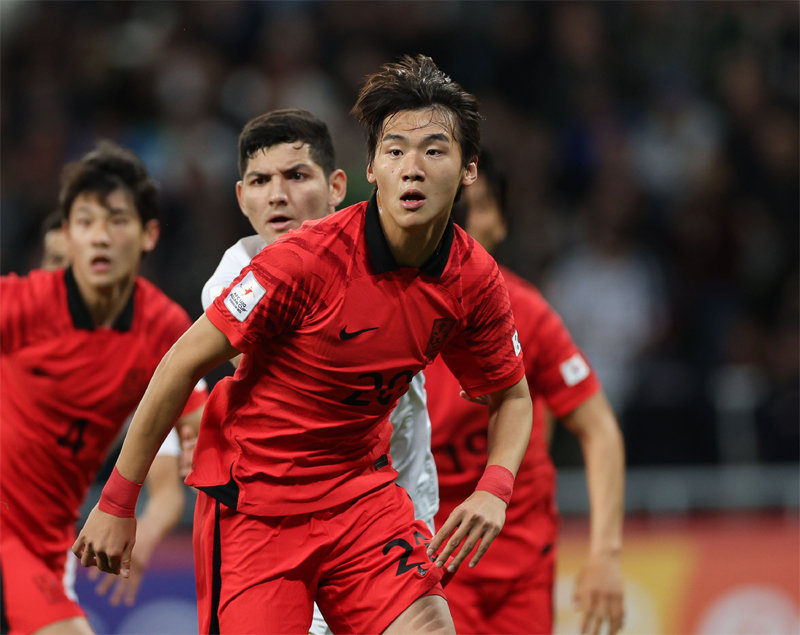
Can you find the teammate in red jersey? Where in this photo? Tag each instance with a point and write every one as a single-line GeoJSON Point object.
{"type": "Point", "coordinates": [334, 320]}
{"type": "Point", "coordinates": [78, 348]}
{"type": "Point", "coordinates": [511, 591]}
{"type": "Point", "coordinates": [165, 488]}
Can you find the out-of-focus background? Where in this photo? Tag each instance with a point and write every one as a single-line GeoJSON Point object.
{"type": "Point", "coordinates": [652, 151]}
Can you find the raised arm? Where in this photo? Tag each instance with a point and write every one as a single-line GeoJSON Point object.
{"type": "Point", "coordinates": [107, 539]}
{"type": "Point", "coordinates": [481, 517]}
{"type": "Point", "coordinates": [598, 589]}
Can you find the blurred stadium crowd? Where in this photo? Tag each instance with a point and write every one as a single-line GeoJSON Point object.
{"type": "Point", "coordinates": [651, 149]}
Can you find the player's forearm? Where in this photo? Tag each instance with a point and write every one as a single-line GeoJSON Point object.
{"type": "Point", "coordinates": [510, 416]}
{"type": "Point", "coordinates": [604, 457]}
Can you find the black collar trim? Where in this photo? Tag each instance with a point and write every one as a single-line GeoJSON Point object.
{"type": "Point", "coordinates": [81, 318]}
{"type": "Point", "coordinates": [381, 255]}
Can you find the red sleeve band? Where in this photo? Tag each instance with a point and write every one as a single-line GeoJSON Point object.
{"type": "Point", "coordinates": [497, 480]}
{"type": "Point", "coordinates": [119, 496]}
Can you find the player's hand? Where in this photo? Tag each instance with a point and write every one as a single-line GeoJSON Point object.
{"type": "Point", "coordinates": [598, 594]}
{"type": "Point", "coordinates": [106, 542]}
{"type": "Point", "coordinates": [188, 437]}
{"type": "Point", "coordinates": [124, 589]}
{"type": "Point", "coordinates": [475, 522]}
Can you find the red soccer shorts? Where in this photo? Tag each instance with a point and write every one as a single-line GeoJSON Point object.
{"type": "Point", "coordinates": [479, 605]}
{"type": "Point", "coordinates": [33, 589]}
{"type": "Point", "coordinates": [364, 562]}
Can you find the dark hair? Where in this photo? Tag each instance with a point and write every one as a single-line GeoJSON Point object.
{"type": "Point", "coordinates": [107, 168]}
{"type": "Point", "coordinates": [496, 180]}
{"type": "Point", "coordinates": [287, 126]}
{"type": "Point", "coordinates": [411, 84]}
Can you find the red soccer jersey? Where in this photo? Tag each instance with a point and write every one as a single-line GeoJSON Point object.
{"type": "Point", "coordinates": [560, 379]}
{"type": "Point", "coordinates": [333, 330]}
{"type": "Point", "coordinates": [67, 389]}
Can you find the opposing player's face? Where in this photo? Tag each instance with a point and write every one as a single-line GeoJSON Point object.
{"type": "Point", "coordinates": [417, 168]}
{"type": "Point", "coordinates": [55, 254]}
{"type": "Point", "coordinates": [106, 239]}
{"type": "Point", "coordinates": [484, 222]}
{"type": "Point", "coordinates": [283, 187]}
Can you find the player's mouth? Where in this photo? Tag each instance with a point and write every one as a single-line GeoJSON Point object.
{"type": "Point", "coordinates": [281, 223]}
{"type": "Point", "coordinates": [100, 264]}
{"type": "Point", "coordinates": [412, 200]}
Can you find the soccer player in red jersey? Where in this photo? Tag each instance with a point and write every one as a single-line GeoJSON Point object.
{"type": "Point", "coordinates": [78, 348]}
{"type": "Point", "coordinates": [298, 501]}
{"type": "Point", "coordinates": [511, 591]}
{"type": "Point", "coordinates": [287, 165]}
{"type": "Point", "coordinates": [165, 488]}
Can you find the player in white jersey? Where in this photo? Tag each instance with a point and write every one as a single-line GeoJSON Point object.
{"type": "Point", "coordinates": [287, 167]}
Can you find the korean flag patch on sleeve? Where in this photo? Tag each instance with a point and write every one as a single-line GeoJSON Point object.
{"type": "Point", "coordinates": [574, 370]}
{"type": "Point", "coordinates": [243, 298]}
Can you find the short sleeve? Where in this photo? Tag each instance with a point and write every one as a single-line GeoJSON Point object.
{"type": "Point", "coordinates": [235, 258]}
{"type": "Point", "coordinates": [22, 309]}
{"type": "Point", "coordinates": [555, 367]}
{"type": "Point", "coordinates": [485, 355]}
{"type": "Point", "coordinates": [268, 298]}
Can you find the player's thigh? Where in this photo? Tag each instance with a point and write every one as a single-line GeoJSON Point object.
{"type": "Point", "coordinates": [274, 606]}
{"type": "Point", "coordinates": [254, 574]}
{"type": "Point", "coordinates": [34, 591]}
{"type": "Point", "coordinates": [72, 626]}
{"type": "Point", "coordinates": [379, 566]}
{"type": "Point", "coordinates": [428, 614]}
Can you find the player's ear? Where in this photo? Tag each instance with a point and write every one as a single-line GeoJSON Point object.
{"type": "Point", "coordinates": [152, 230]}
{"type": "Point", "coordinates": [239, 186]}
{"type": "Point", "coordinates": [470, 172]}
{"type": "Point", "coordinates": [337, 188]}
{"type": "Point", "coordinates": [370, 173]}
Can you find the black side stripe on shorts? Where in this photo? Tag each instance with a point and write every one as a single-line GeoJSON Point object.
{"type": "Point", "coordinates": [216, 579]}
{"type": "Point", "coordinates": [4, 627]}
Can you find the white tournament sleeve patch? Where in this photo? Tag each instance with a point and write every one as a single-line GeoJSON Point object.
{"type": "Point", "coordinates": [574, 370]}
{"type": "Point", "coordinates": [517, 345]}
{"type": "Point", "coordinates": [242, 299]}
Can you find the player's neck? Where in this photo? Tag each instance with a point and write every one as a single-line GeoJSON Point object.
{"type": "Point", "coordinates": [413, 246]}
{"type": "Point", "coordinates": [105, 304]}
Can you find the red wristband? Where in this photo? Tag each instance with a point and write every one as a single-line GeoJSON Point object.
{"type": "Point", "coordinates": [497, 480]}
{"type": "Point", "coordinates": [119, 496]}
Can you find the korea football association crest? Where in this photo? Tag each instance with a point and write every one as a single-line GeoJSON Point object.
{"type": "Point", "coordinates": [244, 297]}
